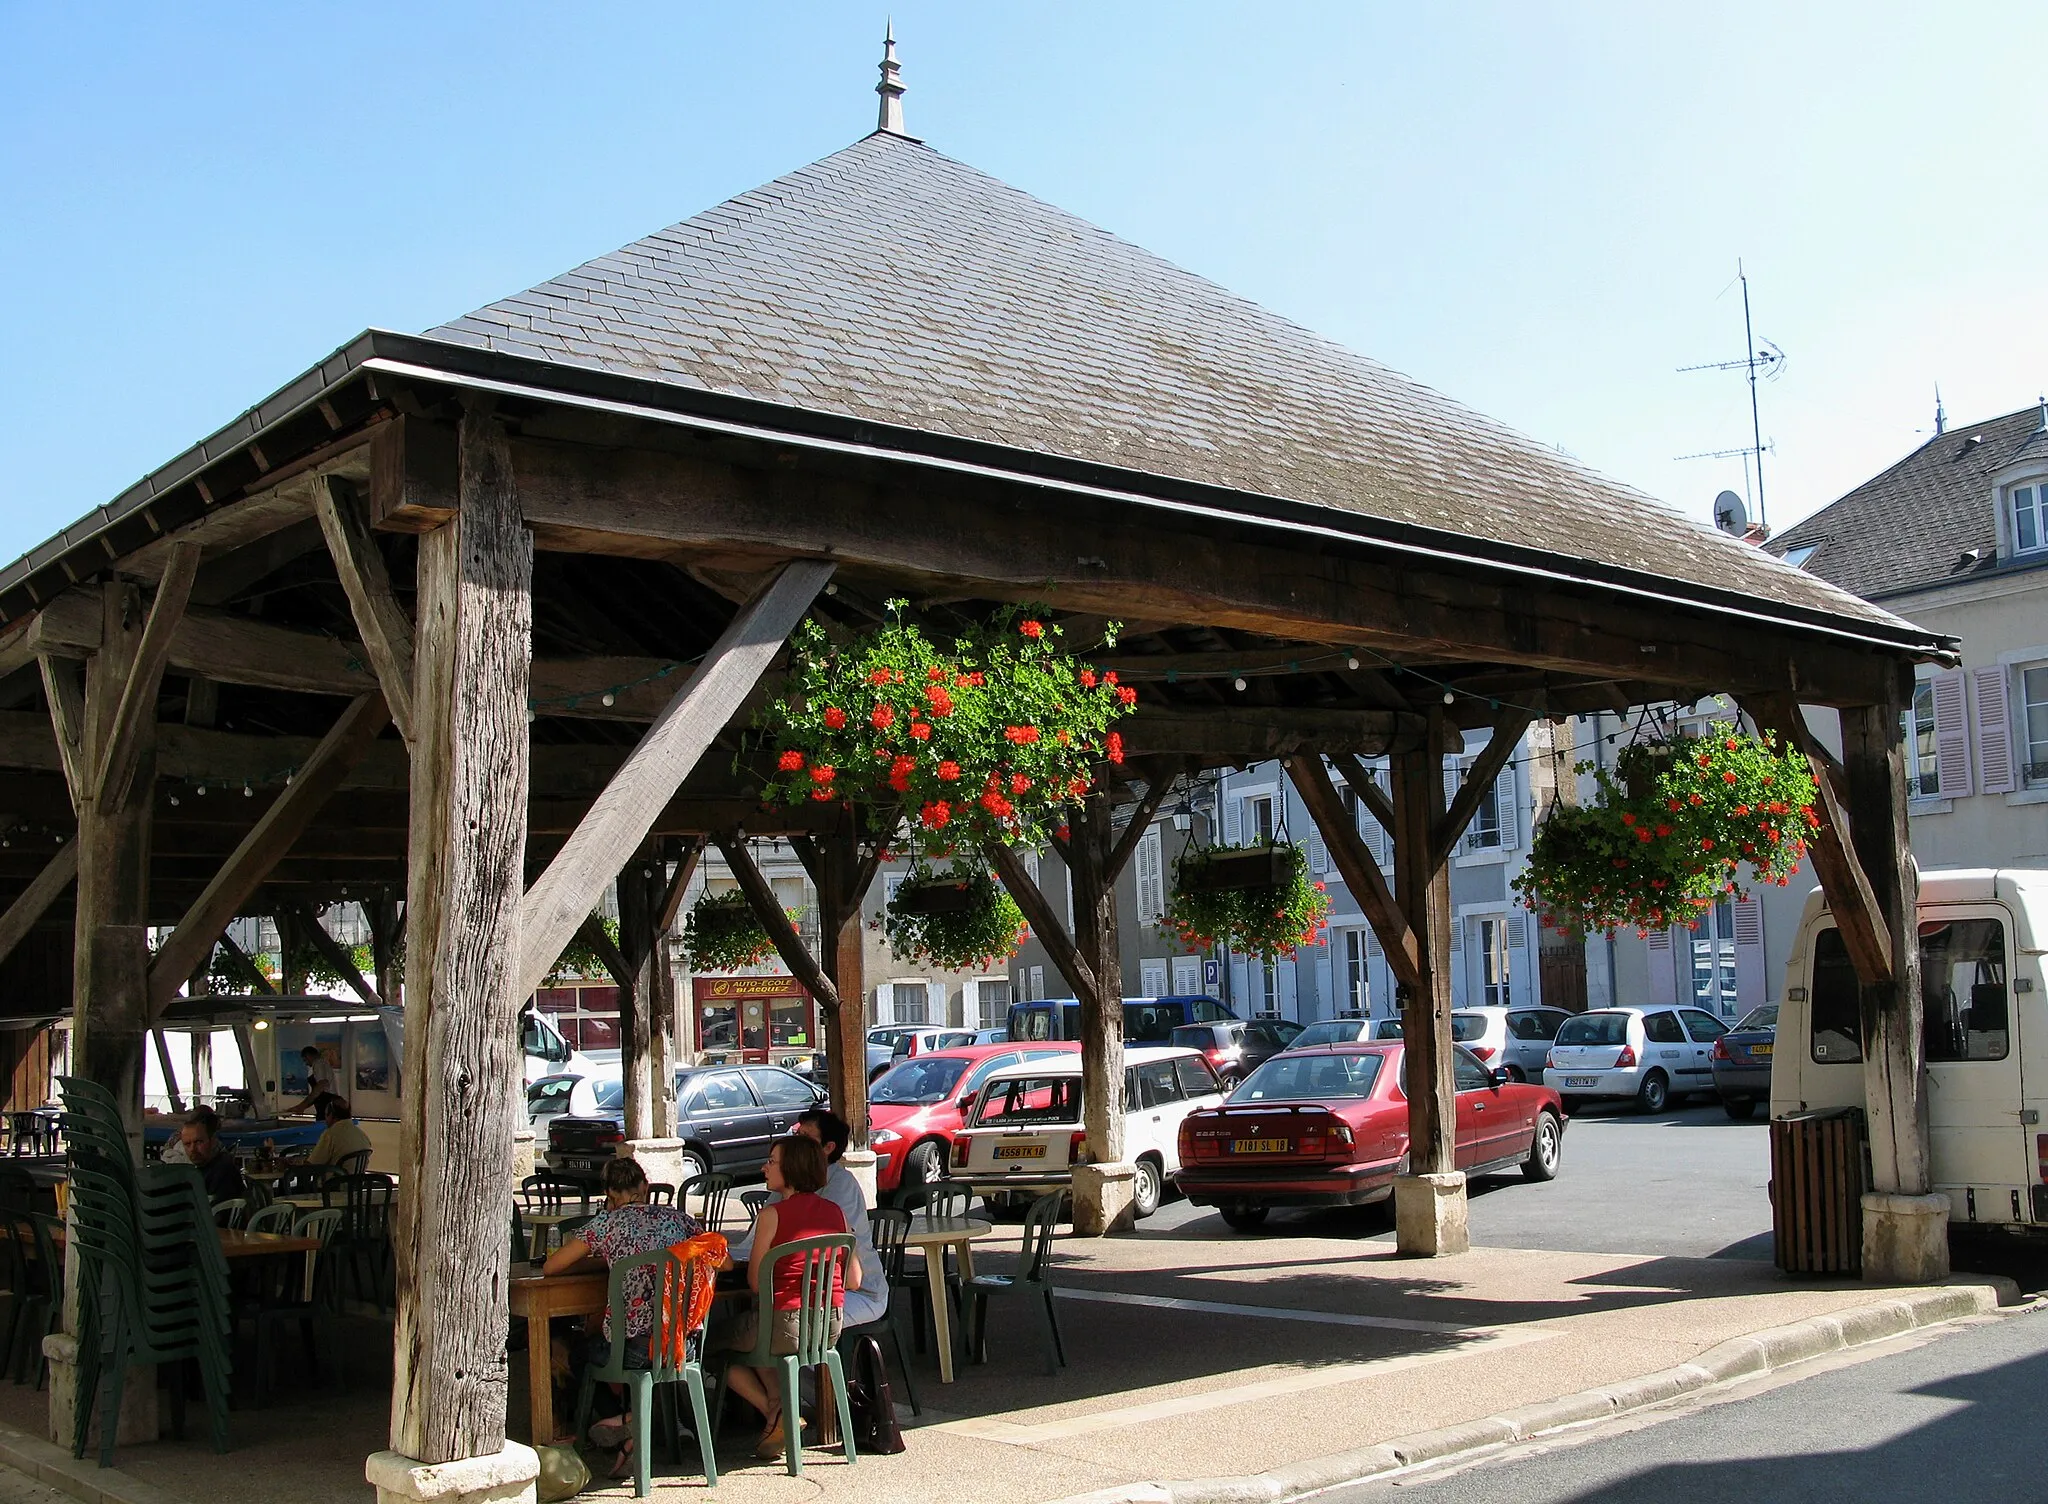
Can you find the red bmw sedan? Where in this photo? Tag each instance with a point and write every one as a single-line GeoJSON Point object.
{"type": "Point", "coordinates": [1329, 1127]}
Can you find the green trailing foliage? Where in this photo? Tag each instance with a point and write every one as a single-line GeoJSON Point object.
{"type": "Point", "coordinates": [963, 919]}
{"type": "Point", "coordinates": [1260, 918]}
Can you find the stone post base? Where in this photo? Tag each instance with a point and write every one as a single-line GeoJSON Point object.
{"type": "Point", "coordinates": [661, 1158]}
{"type": "Point", "coordinates": [860, 1164]}
{"type": "Point", "coordinates": [1429, 1215]}
{"type": "Point", "coordinates": [1103, 1199]}
{"type": "Point", "coordinates": [507, 1478]}
{"type": "Point", "coordinates": [1905, 1238]}
{"type": "Point", "coordinates": [522, 1154]}
{"type": "Point", "coordinates": [138, 1396]}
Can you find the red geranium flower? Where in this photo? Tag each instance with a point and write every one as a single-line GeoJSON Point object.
{"type": "Point", "coordinates": [936, 814]}
{"type": "Point", "coordinates": [1023, 736]}
{"type": "Point", "coordinates": [882, 717]}
{"type": "Point", "coordinates": [996, 804]}
{"type": "Point", "coordinates": [1113, 747]}
{"type": "Point", "coordinates": [790, 760]}
{"type": "Point", "coordinates": [920, 731]}
{"type": "Point", "coordinates": [1110, 677]}
{"type": "Point", "coordinates": [899, 774]}
{"type": "Point", "coordinates": [1663, 830]}
{"type": "Point", "coordinates": [1019, 783]}
{"type": "Point", "coordinates": [1706, 845]}
{"type": "Point", "coordinates": [1061, 832]}
{"type": "Point", "coordinates": [1031, 629]}
{"type": "Point", "coordinates": [823, 796]}
{"type": "Point", "coordinates": [1087, 678]}
{"type": "Point", "coordinates": [1077, 787]}
{"type": "Point", "coordinates": [949, 770]}
{"type": "Point", "coordinates": [941, 702]}
{"type": "Point", "coordinates": [823, 773]}
{"type": "Point", "coordinates": [1126, 694]}
{"type": "Point", "coordinates": [834, 717]}
{"type": "Point", "coordinates": [935, 673]}
{"type": "Point", "coordinates": [878, 676]}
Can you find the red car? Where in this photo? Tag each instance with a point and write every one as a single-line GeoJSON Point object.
{"type": "Point", "coordinates": [919, 1103]}
{"type": "Point", "coordinates": [1329, 1127]}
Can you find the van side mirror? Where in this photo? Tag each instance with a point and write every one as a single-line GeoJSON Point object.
{"type": "Point", "coordinates": [967, 1101]}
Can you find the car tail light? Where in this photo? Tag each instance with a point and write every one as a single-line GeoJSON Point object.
{"type": "Point", "coordinates": [960, 1152]}
{"type": "Point", "coordinates": [1483, 1051]}
{"type": "Point", "coordinates": [1626, 1058]}
{"type": "Point", "coordinates": [1216, 1056]}
{"type": "Point", "coordinates": [1201, 1140]}
{"type": "Point", "coordinates": [614, 1137]}
{"type": "Point", "coordinates": [1720, 1049]}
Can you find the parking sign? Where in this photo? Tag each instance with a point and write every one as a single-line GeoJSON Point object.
{"type": "Point", "coordinates": [1210, 973]}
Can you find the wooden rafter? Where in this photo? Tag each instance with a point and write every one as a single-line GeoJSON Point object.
{"type": "Point", "coordinates": [1360, 780]}
{"type": "Point", "coordinates": [267, 841]}
{"type": "Point", "coordinates": [332, 952]}
{"type": "Point", "coordinates": [1141, 821]}
{"type": "Point", "coordinates": [64, 688]}
{"type": "Point", "coordinates": [768, 909]}
{"type": "Point", "coordinates": [1507, 735]}
{"type": "Point", "coordinates": [135, 715]}
{"type": "Point", "coordinates": [386, 629]}
{"type": "Point", "coordinates": [592, 933]}
{"type": "Point", "coordinates": [621, 817]}
{"type": "Point", "coordinates": [678, 885]}
{"type": "Point", "coordinates": [1361, 873]}
{"type": "Point", "coordinates": [34, 900]}
{"type": "Point", "coordinates": [1045, 924]}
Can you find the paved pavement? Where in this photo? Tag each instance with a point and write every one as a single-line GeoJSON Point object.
{"type": "Point", "coordinates": [1954, 1416]}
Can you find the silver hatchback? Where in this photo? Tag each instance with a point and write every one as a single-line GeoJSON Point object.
{"type": "Point", "coordinates": [1648, 1054]}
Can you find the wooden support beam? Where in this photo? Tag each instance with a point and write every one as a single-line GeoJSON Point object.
{"type": "Point", "coordinates": [267, 841]}
{"type": "Point", "coordinates": [842, 873]}
{"type": "Point", "coordinates": [1866, 934]}
{"type": "Point", "coordinates": [1090, 841]}
{"type": "Point", "coordinates": [246, 965]}
{"type": "Point", "coordinates": [163, 1061]}
{"type": "Point", "coordinates": [625, 812]}
{"type": "Point", "coordinates": [1140, 822]}
{"type": "Point", "coordinates": [768, 909]}
{"type": "Point", "coordinates": [135, 718]}
{"type": "Point", "coordinates": [386, 629]}
{"type": "Point", "coordinates": [1894, 1042]}
{"type": "Point", "coordinates": [1360, 780]}
{"type": "Point", "coordinates": [678, 884]}
{"type": "Point", "coordinates": [592, 933]}
{"type": "Point", "coordinates": [1507, 735]}
{"type": "Point", "coordinates": [1046, 925]}
{"type": "Point", "coordinates": [1361, 873]}
{"type": "Point", "coordinates": [34, 900]}
{"type": "Point", "coordinates": [473, 640]}
{"type": "Point", "coordinates": [1254, 732]}
{"type": "Point", "coordinates": [1422, 888]}
{"type": "Point", "coordinates": [627, 962]}
{"type": "Point", "coordinates": [315, 934]}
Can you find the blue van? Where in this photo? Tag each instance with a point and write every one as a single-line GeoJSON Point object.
{"type": "Point", "coordinates": [1147, 1020]}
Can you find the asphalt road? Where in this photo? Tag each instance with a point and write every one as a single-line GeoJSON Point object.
{"type": "Point", "coordinates": [1955, 1418]}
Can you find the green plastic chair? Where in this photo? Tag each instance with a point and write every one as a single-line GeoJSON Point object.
{"type": "Point", "coordinates": [712, 1190]}
{"type": "Point", "coordinates": [230, 1213]}
{"type": "Point", "coordinates": [675, 1289]}
{"type": "Point", "coordinates": [1034, 1274]}
{"type": "Point", "coordinates": [820, 1260]}
{"type": "Point", "coordinates": [888, 1228]}
{"type": "Point", "coordinates": [288, 1303]}
{"type": "Point", "coordinates": [279, 1217]}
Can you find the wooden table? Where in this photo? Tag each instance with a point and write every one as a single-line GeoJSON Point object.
{"type": "Point", "coordinates": [537, 1298]}
{"type": "Point", "coordinates": [544, 1224]}
{"type": "Point", "coordinates": [935, 1235]}
{"type": "Point", "coordinates": [237, 1244]}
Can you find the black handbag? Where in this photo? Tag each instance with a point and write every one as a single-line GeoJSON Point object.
{"type": "Point", "coordinates": [873, 1405]}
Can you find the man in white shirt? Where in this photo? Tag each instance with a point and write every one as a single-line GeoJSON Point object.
{"type": "Point", "coordinates": [871, 1301]}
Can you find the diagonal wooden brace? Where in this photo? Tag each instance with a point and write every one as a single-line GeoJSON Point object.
{"type": "Point", "coordinates": [1361, 873]}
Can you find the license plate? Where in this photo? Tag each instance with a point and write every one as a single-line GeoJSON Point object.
{"type": "Point", "coordinates": [1260, 1146]}
{"type": "Point", "coordinates": [1581, 1080]}
{"type": "Point", "coordinates": [1762, 1051]}
{"type": "Point", "coordinates": [1020, 1151]}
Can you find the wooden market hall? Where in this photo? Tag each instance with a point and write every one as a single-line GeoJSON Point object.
{"type": "Point", "coordinates": [468, 626]}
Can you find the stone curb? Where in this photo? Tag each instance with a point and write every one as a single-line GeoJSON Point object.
{"type": "Point", "coordinates": [82, 1478]}
{"type": "Point", "coordinates": [1737, 1358]}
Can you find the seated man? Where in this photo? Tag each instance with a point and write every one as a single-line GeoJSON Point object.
{"type": "Point", "coordinates": [340, 1138]}
{"type": "Point", "coordinates": [628, 1225]}
{"type": "Point", "coordinates": [199, 1137]}
{"type": "Point", "coordinates": [870, 1302]}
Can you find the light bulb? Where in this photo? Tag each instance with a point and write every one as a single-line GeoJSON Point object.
{"type": "Point", "coordinates": [610, 698]}
{"type": "Point", "coordinates": [1237, 684]}
{"type": "Point", "coordinates": [201, 790]}
{"type": "Point", "coordinates": [247, 792]}
{"type": "Point", "coordinates": [174, 801]}
{"type": "Point", "coordinates": [1351, 663]}
{"type": "Point", "coordinates": [1450, 698]}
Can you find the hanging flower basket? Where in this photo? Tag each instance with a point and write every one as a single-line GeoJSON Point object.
{"type": "Point", "coordinates": [1676, 826]}
{"type": "Point", "coordinates": [962, 920]}
{"type": "Point", "coordinates": [1257, 899]}
{"type": "Point", "coordinates": [724, 934]}
{"type": "Point", "coordinates": [992, 737]}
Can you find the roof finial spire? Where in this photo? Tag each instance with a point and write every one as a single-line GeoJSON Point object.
{"type": "Point", "coordinates": [891, 87]}
{"type": "Point", "coordinates": [1940, 414]}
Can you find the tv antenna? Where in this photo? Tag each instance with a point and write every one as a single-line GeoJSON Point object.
{"type": "Point", "coordinates": [1764, 357]}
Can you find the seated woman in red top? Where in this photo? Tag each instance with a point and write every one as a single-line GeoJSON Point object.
{"type": "Point", "coordinates": [796, 1167]}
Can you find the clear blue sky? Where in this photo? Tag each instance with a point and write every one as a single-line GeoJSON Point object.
{"type": "Point", "coordinates": [1537, 209]}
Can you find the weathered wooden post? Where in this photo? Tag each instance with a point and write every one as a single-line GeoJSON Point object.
{"type": "Point", "coordinates": [463, 955]}
{"type": "Point", "coordinates": [1105, 1187]}
{"type": "Point", "coordinates": [1905, 1225]}
{"type": "Point", "coordinates": [1429, 1201]}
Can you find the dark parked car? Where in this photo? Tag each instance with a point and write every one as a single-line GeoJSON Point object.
{"type": "Point", "coordinates": [1147, 1020]}
{"type": "Point", "coordinates": [728, 1117]}
{"type": "Point", "coordinates": [1237, 1048]}
{"type": "Point", "coordinates": [1742, 1061]}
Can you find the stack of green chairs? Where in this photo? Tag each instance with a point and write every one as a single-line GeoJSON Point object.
{"type": "Point", "coordinates": [153, 1284]}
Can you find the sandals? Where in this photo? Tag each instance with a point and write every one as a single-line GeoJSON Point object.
{"type": "Point", "coordinates": [774, 1441]}
{"type": "Point", "coordinates": [622, 1465]}
{"type": "Point", "coordinates": [610, 1432]}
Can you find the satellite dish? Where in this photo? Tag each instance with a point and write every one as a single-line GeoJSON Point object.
{"type": "Point", "coordinates": [1730, 516]}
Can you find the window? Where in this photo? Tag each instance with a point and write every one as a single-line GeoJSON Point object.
{"type": "Point", "coordinates": [1662, 1028]}
{"type": "Point", "coordinates": [907, 1002]}
{"type": "Point", "coordinates": [1540, 1023]}
{"type": "Point", "coordinates": [1467, 1074]}
{"type": "Point", "coordinates": [1152, 978]}
{"type": "Point", "coordinates": [781, 1089]}
{"type": "Point", "coordinates": [1151, 878]}
{"type": "Point", "coordinates": [2029, 518]}
{"type": "Point", "coordinates": [1594, 1028]}
{"type": "Point", "coordinates": [1797, 557]}
{"type": "Point", "coordinates": [1202, 1010]}
{"type": "Point", "coordinates": [2034, 725]}
{"type": "Point", "coordinates": [1310, 1078]}
{"type": "Point", "coordinates": [721, 1091]}
{"type": "Point", "coordinates": [1157, 1085]}
{"type": "Point", "coordinates": [1187, 975]}
{"type": "Point", "coordinates": [1923, 761]}
{"type": "Point", "coordinates": [1703, 1027]}
{"type": "Point", "coordinates": [1713, 959]}
{"type": "Point", "coordinates": [1484, 833]}
{"type": "Point", "coordinates": [1490, 954]}
{"type": "Point", "coordinates": [1837, 1023]}
{"type": "Point", "coordinates": [1037, 983]}
{"type": "Point", "coordinates": [1028, 1099]}
{"type": "Point", "coordinates": [1196, 1079]}
{"type": "Point", "coordinates": [1356, 981]}
{"type": "Point", "coordinates": [1258, 818]}
{"type": "Point", "coordinates": [1263, 976]}
{"type": "Point", "coordinates": [991, 1001]}
{"type": "Point", "coordinates": [1962, 989]}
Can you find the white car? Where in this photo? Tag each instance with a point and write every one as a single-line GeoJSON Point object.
{"type": "Point", "coordinates": [1026, 1124]}
{"type": "Point", "coordinates": [1649, 1054]}
{"type": "Point", "coordinates": [1516, 1040]}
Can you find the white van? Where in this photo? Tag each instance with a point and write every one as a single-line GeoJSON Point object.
{"type": "Point", "coordinates": [1025, 1127]}
{"type": "Point", "coordinates": [1982, 934]}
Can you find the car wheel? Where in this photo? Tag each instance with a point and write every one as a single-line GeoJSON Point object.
{"type": "Point", "coordinates": [1146, 1188]}
{"type": "Point", "coordinates": [1244, 1216]}
{"type": "Point", "coordinates": [690, 1164]}
{"type": "Point", "coordinates": [1544, 1148]}
{"type": "Point", "coordinates": [1739, 1108]}
{"type": "Point", "coordinates": [923, 1166]}
{"type": "Point", "coordinates": [1654, 1095]}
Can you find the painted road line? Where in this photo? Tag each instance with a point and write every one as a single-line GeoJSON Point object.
{"type": "Point", "coordinates": [1278, 1313]}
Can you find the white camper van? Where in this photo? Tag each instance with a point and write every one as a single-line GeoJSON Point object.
{"type": "Point", "coordinates": [1986, 1028]}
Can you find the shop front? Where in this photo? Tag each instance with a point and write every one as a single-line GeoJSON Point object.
{"type": "Point", "coordinates": [754, 1019]}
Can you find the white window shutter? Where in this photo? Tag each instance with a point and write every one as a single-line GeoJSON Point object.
{"type": "Point", "coordinates": [1454, 775]}
{"type": "Point", "coordinates": [1951, 735]}
{"type": "Point", "coordinates": [1504, 802]}
{"type": "Point", "coordinates": [1151, 882]}
{"type": "Point", "coordinates": [1518, 930]}
{"type": "Point", "coordinates": [1318, 853]}
{"type": "Point", "coordinates": [1995, 771]}
{"type": "Point", "coordinates": [1457, 934]}
{"type": "Point", "coordinates": [1233, 820]}
{"type": "Point", "coordinates": [1751, 985]}
{"type": "Point", "coordinates": [1663, 981]}
{"type": "Point", "coordinates": [1372, 942]}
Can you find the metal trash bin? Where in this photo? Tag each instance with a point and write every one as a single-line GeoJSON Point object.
{"type": "Point", "coordinates": [1819, 1170]}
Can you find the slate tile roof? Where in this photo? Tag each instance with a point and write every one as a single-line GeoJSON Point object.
{"type": "Point", "coordinates": [1911, 526]}
{"type": "Point", "coordinates": [890, 283]}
